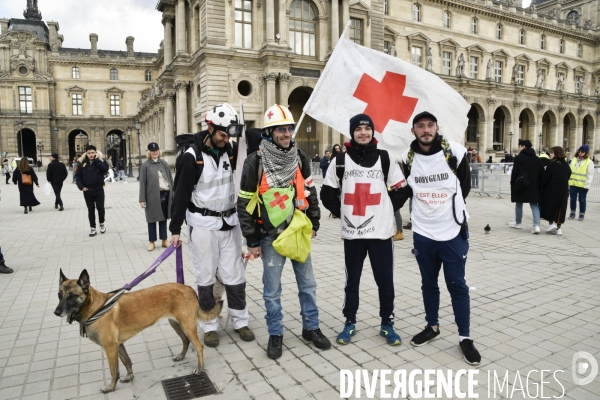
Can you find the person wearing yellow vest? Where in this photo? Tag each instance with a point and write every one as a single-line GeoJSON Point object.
{"type": "Point", "coordinates": [582, 173]}
{"type": "Point", "coordinates": [276, 186]}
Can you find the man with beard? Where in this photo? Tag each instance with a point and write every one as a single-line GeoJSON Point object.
{"type": "Point", "coordinates": [275, 182]}
{"type": "Point", "coordinates": [366, 210]}
{"type": "Point", "coordinates": [438, 173]}
{"type": "Point", "coordinates": [205, 198]}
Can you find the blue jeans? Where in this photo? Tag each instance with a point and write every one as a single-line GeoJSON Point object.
{"type": "Point", "coordinates": [307, 288]}
{"type": "Point", "coordinates": [574, 192]}
{"type": "Point", "coordinates": [431, 254]}
{"type": "Point", "coordinates": [535, 210]}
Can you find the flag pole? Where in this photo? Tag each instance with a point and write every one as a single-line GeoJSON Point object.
{"type": "Point", "coordinates": [343, 35]}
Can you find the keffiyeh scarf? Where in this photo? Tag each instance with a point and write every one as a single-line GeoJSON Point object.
{"type": "Point", "coordinates": [279, 165]}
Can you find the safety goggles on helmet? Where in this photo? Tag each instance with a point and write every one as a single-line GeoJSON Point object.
{"type": "Point", "coordinates": [233, 130]}
{"type": "Point", "coordinates": [283, 129]}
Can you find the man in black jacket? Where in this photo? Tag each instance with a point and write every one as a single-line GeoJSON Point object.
{"type": "Point", "coordinates": [366, 208]}
{"type": "Point", "coordinates": [56, 173]}
{"type": "Point", "coordinates": [205, 198]}
{"type": "Point", "coordinates": [280, 189]}
{"type": "Point", "coordinates": [527, 167]}
{"type": "Point", "coordinates": [90, 180]}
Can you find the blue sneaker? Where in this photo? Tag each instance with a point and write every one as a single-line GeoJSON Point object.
{"type": "Point", "coordinates": [387, 331]}
{"type": "Point", "coordinates": [344, 336]}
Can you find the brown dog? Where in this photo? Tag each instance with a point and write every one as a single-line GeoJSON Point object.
{"type": "Point", "coordinates": [132, 313]}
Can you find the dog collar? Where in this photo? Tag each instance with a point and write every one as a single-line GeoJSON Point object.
{"type": "Point", "coordinates": [110, 303]}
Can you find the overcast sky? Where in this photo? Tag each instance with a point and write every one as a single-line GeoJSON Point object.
{"type": "Point", "coordinates": [112, 20]}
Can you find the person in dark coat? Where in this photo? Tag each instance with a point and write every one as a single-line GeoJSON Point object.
{"type": "Point", "coordinates": [156, 194]}
{"type": "Point", "coordinates": [555, 190]}
{"type": "Point", "coordinates": [56, 173]}
{"type": "Point", "coordinates": [324, 162]}
{"type": "Point", "coordinates": [27, 197]}
{"type": "Point", "coordinates": [335, 150]}
{"type": "Point", "coordinates": [89, 177]}
{"type": "Point", "coordinates": [526, 163]}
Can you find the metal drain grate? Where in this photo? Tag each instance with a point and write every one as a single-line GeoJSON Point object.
{"type": "Point", "coordinates": [188, 387]}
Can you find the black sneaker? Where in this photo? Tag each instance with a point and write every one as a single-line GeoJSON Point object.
{"type": "Point", "coordinates": [274, 348]}
{"type": "Point", "coordinates": [425, 336]}
{"type": "Point", "coordinates": [56, 206]}
{"type": "Point", "coordinates": [317, 337]}
{"type": "Point", "coordinates": [408, 226]}
{"type": "Point", "coordinates": [472, 356]}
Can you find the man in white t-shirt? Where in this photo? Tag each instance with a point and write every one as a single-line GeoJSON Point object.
{"type": "Point", "coordinates": [366, 211]}
{"type": "Point", "coordinates": [438, 173]}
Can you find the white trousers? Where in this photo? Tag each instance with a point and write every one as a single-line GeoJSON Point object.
{"type": "Point", "coordinates": [218, 250]}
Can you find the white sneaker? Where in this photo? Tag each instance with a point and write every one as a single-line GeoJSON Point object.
{"type": "Point", "coordinates": [552, 228]}
{"type": "Point", "coordinates": [558, 232]}
{"type": "Point", "coordinates": [513, 224]}
{"type": "Point", "coordinates": [103, 228]}
{"type": "Point", "coordinates": [93, 232]}
{"type": "Point", "coordinates": [535, 230]}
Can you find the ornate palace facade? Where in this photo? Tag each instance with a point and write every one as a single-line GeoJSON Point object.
{"type": "Point", "coordinates": [533, 72]}
{"type": "Point", "coordinates": [57, 99]}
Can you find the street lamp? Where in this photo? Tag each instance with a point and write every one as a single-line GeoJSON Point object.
{"type": "Point", "coordinates": [54, 143]}
{"type": "Point", "coordinates": [540, 136]}
{"type": "Point", "coordinates": [138, 126]}
{"type": "Point", "coordinates": [40, 147]}
{"type": "Point", "coordinates": [308, 130]}
{"type": "Point", "coordinates": [510, 135]}
{"type": "Point", "coordinates": [130, 174]}
{"type": "Point", "coordinates": [477, 136]}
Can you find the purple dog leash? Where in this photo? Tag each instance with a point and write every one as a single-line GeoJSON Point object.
{"type": "Point", "coordinates": [155, 264]}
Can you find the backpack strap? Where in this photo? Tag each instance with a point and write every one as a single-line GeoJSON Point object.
{"type": "Point", "coordinates": [199, 161]}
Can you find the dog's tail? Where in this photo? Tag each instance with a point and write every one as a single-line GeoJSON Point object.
{"type": "Point", "coordinates": [209, 315]}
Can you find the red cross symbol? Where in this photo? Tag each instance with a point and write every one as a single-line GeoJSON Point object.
{"type": "Point", "coordinates": [361, 198]}
{"type": "Point", "coordinates": [385, 100]}
{"type": "Point", "coordinates": [270, 114]}
{"type": "Point", "coordinates": [279, 201]}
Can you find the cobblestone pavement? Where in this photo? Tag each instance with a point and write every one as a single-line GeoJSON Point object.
{"type": "Point", "coordinates": [534, 301]}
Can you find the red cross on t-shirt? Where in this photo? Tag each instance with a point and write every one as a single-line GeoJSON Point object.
{"type": "Point", "coordinates": [279, 201]}
{"type": "Point", "coordinates": [361, 198]}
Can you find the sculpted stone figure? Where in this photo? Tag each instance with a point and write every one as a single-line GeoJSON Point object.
{"type": "Point", "coordinates": [428, 60]}
{"type": "Point", "coordinates": [488, 70]}
{"type": "Point", "coordinates": [597, 90]}
{"type": "Point", "coordinates": [540, 78]}
{"type": "Point", "coordinates": [581, 85]}
{"type": "Point", "coordinates": [460, 67]}
{"type": "Point", "coordinates": [515, 74]}
{"type": "Point", "coordinates": [561, 83]}
{"type": "Point", "coordinates": [588, 24]}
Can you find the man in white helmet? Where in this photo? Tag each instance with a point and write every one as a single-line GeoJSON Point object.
{"type": "Point", "coordinates": [205, 198]}
{"type": "Point", "coordinates": [279, 176]}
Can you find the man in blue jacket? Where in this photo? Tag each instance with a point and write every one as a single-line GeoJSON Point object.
{"type": "Point", "coordinates": [324, 163]}
{"type": "Point", "coordinates": [90, 180]}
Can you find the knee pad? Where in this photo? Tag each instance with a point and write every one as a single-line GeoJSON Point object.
{"type": "Point", "coordinates": [236, 296]}
{"type": "Point", "coordinates": [206, 299]}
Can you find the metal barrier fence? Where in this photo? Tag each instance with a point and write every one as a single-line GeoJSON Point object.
{"type": "Point", "coordinates": [493, 180]}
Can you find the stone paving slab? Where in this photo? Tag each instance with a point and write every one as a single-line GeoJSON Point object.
{"type": "Point", "coordinates": [534, 303]}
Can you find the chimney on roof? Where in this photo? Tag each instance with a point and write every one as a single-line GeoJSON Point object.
{"type": "Point", "coordinates": [94, 43]}
{"type": "Point", "coordinates": [129, 41]}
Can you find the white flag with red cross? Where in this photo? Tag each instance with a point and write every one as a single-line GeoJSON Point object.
{"type": "Point", "coordinates": [391, 91]}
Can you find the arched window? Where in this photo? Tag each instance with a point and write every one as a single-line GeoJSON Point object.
{"type": "Point", "coordinates": [148, 76]}
{"type": "Point", "coordinates": [75, 71]}
{"type": "Point", "coordinates": [416, 12]}
{"type": "Point", "coordinates": [114, 74]}
{"type": "Point", "coordinates": [474, 26]}
{"type": "Point", "coordinates": [543, 42]}
{"type": "Point", "coordinates": [521, 36]}
{"type": "Point", "coordinates": [499, 31]}
{"type": "Point", "coordinates": [446, 19]}
{"type": "Point", "coordinates": [562, 46]}
{"type": "Point", "coordinates": [303, 27]}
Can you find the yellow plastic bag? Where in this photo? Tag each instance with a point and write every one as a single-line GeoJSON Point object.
{"type": "Point", "coordinates": [294, 241]}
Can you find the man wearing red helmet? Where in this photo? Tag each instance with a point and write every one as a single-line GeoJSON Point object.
{"type": "Point", "coordinates": [205, 198]}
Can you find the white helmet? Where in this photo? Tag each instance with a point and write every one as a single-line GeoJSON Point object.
{"type": "Point", "coordinates": [223, 117]}
{"type": "Point", "coordinates": [277, 115]}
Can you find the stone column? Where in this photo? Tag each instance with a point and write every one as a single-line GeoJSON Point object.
{"type": "Point", "coordinates": [270, 23]}
{"type": "Point", "coordinates": [270, 79]}
{"type": "Point", "coordinates": [283, 25]}
{"type": "Point", "coordinates": [284, 82]}
{"type": "Point", "coordinates": [181, 87]}
{"type": "Point", "coordinates": [180, 27]}
{"type": "Point", "coordinates": [335, 22]}
{"type": "Point", "coordinates": [486, 139]}
{"type": "Point", "coordinates": [345, 13]}
{"type": "Point", "coordinates": [167, 21]}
